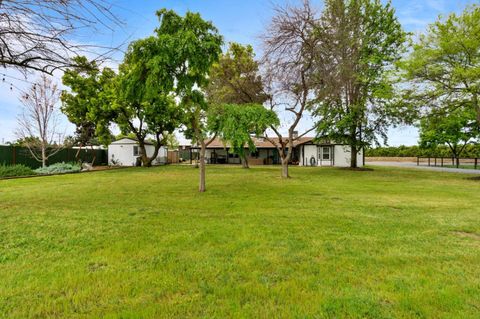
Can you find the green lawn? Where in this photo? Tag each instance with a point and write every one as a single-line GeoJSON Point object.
{"type": "Point", "coordinates": [329, 243]}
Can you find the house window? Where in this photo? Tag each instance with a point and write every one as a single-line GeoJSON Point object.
{"type": "Point", "coordinates": [136, 151]}
{"type": "Point", "coordinates": [325, 153]}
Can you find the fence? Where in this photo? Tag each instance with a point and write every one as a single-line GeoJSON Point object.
{"type": "Point", "coordinates": [471, 163]}
{"type": "Point", "coordinates": [11, 155]}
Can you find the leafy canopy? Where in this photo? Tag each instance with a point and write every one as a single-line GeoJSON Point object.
{"type": "Point", "coordinates": [443, 70]}
{"type": "Point", "coordinates": [87, 102]}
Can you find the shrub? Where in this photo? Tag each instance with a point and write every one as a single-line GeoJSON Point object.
{"type": "Point", "coordinates": [58, 168]}
{"type": "Point", "coordinates": [15, 170]}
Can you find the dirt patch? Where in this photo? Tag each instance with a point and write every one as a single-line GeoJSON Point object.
{"type": "Point", "coordinates": [466, 234]}
{"type": "Point", "coordinates": [474, 178]}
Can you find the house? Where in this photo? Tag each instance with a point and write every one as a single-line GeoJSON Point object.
{"type": "Point", "coordinates": [306, 152]}
{"type": "Point", "coordinates": [125, 152]}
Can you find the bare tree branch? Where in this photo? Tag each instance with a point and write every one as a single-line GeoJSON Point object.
{"type": "Point", "coordinates": [36, 34]}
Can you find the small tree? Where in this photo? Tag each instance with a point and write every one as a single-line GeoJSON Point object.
{"type": "Point", "coordinates": [289, 48]}
{"type": "Point", "coordinates": [38, 124]}
{"type": "Point", "coordinates": [360, 42]}
{"type": "Point", "coordinates": [189, 46]}
{"type": "Point", "coordinates": [236, 123]}
{"type": "Point", "coordinates": [456, 130]}
{"type": "Point", "coordinates": [235, 81]}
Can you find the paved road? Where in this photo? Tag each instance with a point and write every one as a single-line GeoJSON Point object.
{"type": "Point", "coordinates": [414, 165]}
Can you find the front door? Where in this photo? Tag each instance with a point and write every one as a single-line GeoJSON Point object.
{"type": "Point", "coordinates": [325, 155]}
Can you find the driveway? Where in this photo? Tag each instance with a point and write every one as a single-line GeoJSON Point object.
{"type": "Point", "coordinates": [430, 168]}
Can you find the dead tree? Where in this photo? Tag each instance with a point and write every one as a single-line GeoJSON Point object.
{"type": "Point", "coordinates": [38, 124]}
{"type": "Point", "coordinates": [289, 48]}
{"type": "Point", "coordinates": [36, 35]}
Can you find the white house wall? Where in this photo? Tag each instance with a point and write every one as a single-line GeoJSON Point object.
{"type": "Point", "coordinates": [341, 156]}
{"type": "Point", "coordinates": [122, 154]}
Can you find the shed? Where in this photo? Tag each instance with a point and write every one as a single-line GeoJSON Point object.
{"type": "Point", "coordinates": [125, 151]}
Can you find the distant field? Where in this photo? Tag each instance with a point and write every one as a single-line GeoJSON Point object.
{"type": "Point", "coordinates": [329, 243]}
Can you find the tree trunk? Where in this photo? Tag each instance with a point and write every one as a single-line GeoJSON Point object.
{"type": "Point", "coordinates": [353, 158]}
{"type": "Point", "coordinates": [94, 155]}
{"type": "Point", "coordinates": [285, 168]}
{"type": "Point", "coordinates": [44, 156]}
{"type": "Point", "coordinates": [202, 187]}
{"type": "Point", "coordinates": [77, 154]}
{"type": "Point", "coordinates": [143, 155]}
{"type": "Point", "coordinates": [245, 161]}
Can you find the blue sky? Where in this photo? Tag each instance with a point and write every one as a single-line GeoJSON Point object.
{"type": "Point", "coordinates": [238, 20]}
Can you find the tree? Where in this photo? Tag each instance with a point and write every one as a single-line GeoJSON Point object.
{"type": "Point", "coordinates": [189, 47]}
{"type": "Point", "coordinates": [86, 104]}
{"type": "Point", "coordinates": [235, 81]}
{"type": "Point", "coordinates": [289, 47]}
{"type": "Point", "coordinates": [360, 42]}
{"type": "Point", "coordinates": [38, 122]}
{"type": "Point", "coordinates": [443, 70]}
{"type": "Point", "coordinates": [144, 103]}
{"type": "Point", "coordinates": [36, 34]}
{"type": "Point", "coordinates": [235, 78]}
{"type": "Point", "coordinates": [236, 123]}
{"type": "Point", "coordinates": [456, 130]}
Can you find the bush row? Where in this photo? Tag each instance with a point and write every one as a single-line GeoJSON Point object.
{"type": "Point", "coordinates": [22, 170]}
{"type": "Point", "coordinates": [471, 151]}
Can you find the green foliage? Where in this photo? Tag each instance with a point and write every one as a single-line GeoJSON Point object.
{"type": "Point", "coordinates": [189, 47]}
{"type": "Point", "coordinates": [15, 170]}
{"type": "Point", "coordinates": [455, 129]}
{"type": "Point", "coordinates": [443, 70]}
{"type": "Point", "coordinates": [59, 168]}
{"type": "Point", "coordinates": [87, 102]}
{"type": "Point", "coordinates": [359, 41]}
{"type": "Point", "coordinates": [235, 78]}
{"type": "Point", "coordinates": [235, 124]}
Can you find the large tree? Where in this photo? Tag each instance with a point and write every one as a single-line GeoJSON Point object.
{"type": "Point", "coordinates": [235, 78]}
{"type": "Point", "coordinates": [38, 124]}
{"type": "Point", "coordinates": [144, 101]}
{"type": "Point", "coordinates": [87, 101]}
{"type": "Point", "coordinates": [443, 70]}
{"type": "Point", "coordinates": [289, 47]}
{"type": "Point", "coordinates": [360, 42]}
{"type": "Point", "coordinates": [190, 46]}
{"type": "Point", "coordinates": [38, 34]}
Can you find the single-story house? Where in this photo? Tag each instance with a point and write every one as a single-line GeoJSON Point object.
{"type": "Point", "coordinates": [125, 152]}
{"type": "Point", "coordinates": [306, 152]}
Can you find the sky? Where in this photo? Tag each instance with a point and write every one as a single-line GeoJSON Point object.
{"type": "Point", "coordinates": [240, 21]}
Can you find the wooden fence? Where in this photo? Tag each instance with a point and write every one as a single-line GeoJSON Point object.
{"type": "Point", "coordinates": [448, 162]}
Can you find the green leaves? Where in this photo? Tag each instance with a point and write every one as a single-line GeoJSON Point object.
{"type": "Point", "coordinates": [235, 77]}
{"type": "Point", "coordinates": [443, 70]}
{"type": "Point", "coordinates": [359, 42]}
{"type": "Point", "coordinates": [88, 102]}
{"type": "Point", "coordinates": [236, 124]}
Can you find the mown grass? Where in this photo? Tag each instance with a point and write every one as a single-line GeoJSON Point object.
{"type": "Point", "coordinates": [329, 243]}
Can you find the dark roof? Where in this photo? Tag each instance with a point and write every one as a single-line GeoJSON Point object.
{"type": "Point", "coordinates": [260, 142]}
